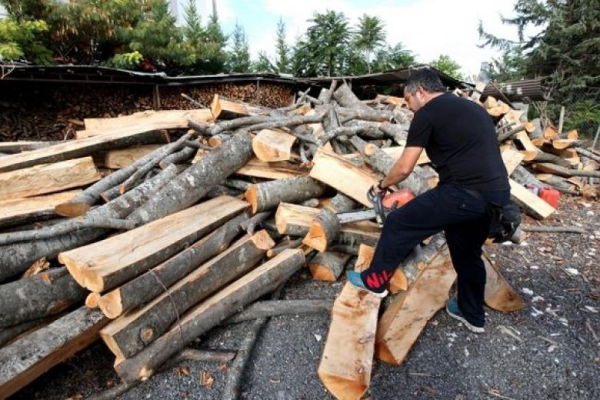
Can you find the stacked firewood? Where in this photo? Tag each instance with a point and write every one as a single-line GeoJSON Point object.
{"type": "Point", "coordinates": [55, 112]}
{"type": "Point", "coordinates": [197, 214]}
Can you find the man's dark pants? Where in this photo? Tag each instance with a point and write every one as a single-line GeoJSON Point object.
{"type": "Point", "coordinates": [463, 218]}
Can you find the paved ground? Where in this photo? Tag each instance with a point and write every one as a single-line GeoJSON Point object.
{"type": "Point", "coordinates": [551, 349]}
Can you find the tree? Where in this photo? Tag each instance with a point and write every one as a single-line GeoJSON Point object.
{"type": "Point", "coordinates": [263, 64]}
{"type": "Point", "coordinates": [192, 30]}
{"type": "Point", "coordinates": [22, 40]}
{"type": "Point", "coordinates": [239, 59]}
{"type": "Point", "coordinates": [509, 67]}
{"type": "Point", "coordinates": [395, 57]}
{"type": "Point", "coordinates": [282, 60]}
{"type": "Point", "coordinates": [323, 48]}
{"type": "Point", "coordinates": [369, 36]}
{"type": "Point", "coordinates": [448, 66]}
{"type": "Point", "coordinates": [216, 43]}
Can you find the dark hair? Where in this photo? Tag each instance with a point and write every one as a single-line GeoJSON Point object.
{"type": "Point", "coordinates": [427, 78]}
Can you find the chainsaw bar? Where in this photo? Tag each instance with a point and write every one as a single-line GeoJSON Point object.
{"type": "Point", "coordinates": [355, 216]}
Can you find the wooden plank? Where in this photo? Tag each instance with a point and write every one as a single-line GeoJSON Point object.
{"type": "Point", "coordinates": [121, 158]}
{"type": "Point", "coordinates": [106, 264]}
{"type": "Point", "coordinates": [278, 170]}
{"type": "Point", "coordinates": [32, 355]}
{"type": "Point", "coordinates": [344, 176]}
{"type": "Point", "coordinates": [512, 159]}
{"type": "Point", "coordinates": [165, 119]}
{"type": "Point", "coordinates": [531, 203]}
{"type": "Point", "coordinates": [48, 178]}
{"type": "Point", "coordinates": [19, 210]}
{"type": "Point", "coordinates": [347, 360]}
{"type": "Point", "coordinates": [116, 138]}
{"type": "Point", "coordinates": [406, 317]}
{"type": "Point", "coordinates": [396, 151]}
{"type": "Point", "coordinates": [499, 295]}
{"type": "Point", "coordinates": [273, 145]}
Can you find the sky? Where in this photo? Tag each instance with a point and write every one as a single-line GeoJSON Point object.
{"type": "Point", "coordinates": [429, 28]}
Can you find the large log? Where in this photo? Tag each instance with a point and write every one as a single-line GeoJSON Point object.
{"type": "Point", "coordinates": [419, 181]}
{"type": "Point", "coordinates": [274, 170]}
{"type": "Point", "coordinates": [347, 361]}
{"type": "Point", "coordinates": [339, 203]}
{"type": "Point", "coordinates": [294, 220]}
{"type": "Point", "coordinates": [39, 296]}
{"type": "Point", "coordinates": [404, 320]}
{"type": "Point", "coordinates": [346, 98]}
{"type": "Point", "coordinates": [16, 258]}
{"type": "Point", "coordinates": [225, 109]}
{"type": "Point", "coordinates": [129, 334]}
{"type": "Point", "coordinates": [196, 181]}
{"type": "Point", "coordinates": [499, 295]}
{"type": "Point", "coordinates": [144, 288]}
{"type": "Point", "coordinates": [524, 177]}
{"type": "Point", "coordinates": [268, 195]}
{"type": "Point", "coordinates": [67, 150]}
{"type": "Point", "coordinates": [18, 210]}
{"type": "Point", "coordinates": [48, 178]}
{"type": "Point", "coordinates": [104, 265]}
{"type": "Point", "coordinates": [562, 171]}
{"type": "Point", "coordinates": [29, 357]}
{"type": "Point", "coordinates": [209, 313]}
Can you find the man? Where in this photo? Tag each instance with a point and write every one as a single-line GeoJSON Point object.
{"type": "Point", "coordinates": [460, 139]}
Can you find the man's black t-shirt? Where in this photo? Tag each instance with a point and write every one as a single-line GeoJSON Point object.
{"type": "Point", "coordinates": [460, 139]}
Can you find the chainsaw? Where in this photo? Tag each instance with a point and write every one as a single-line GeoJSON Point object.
{"type": "Point", "coordinates": [383, 202]}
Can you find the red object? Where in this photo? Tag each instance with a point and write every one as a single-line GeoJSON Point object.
{"type": "Point", "coordinates": [550, 196]}
{"type": "Point", "coordinates": [397, 198]}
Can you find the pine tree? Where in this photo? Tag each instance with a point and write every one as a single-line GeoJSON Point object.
{"type": "Point", "coordinates": [263, 64]}
{"type": "Point", "coordinates": [193, 30]}
{"type": "Point", "coordinates": [239, 59]}
{"type": "Point", "coordinates": [282, 61]}
{"type": "Point", "coordinates": [216, 43]}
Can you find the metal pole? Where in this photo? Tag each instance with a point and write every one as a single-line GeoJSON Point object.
{"type": "Point", "coordinates": [596, 138]}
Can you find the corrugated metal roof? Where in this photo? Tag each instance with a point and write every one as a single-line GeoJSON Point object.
{"type": "Point", "coordinates": [531, 89]}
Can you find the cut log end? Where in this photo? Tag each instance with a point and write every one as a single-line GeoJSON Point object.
{"type": "Point", "coordinates": [263, 240]}
{"type": "Point", "coordinates": [111, 304]}
{"type": "Point", "coordinates": [383, 353]}
{"type": "Point", "coordinates": [316, 238]}
{"type": "Point", "coordinates": [92, 301]}
{"type": "Point", "coordinates": [252, 198]}
{"type": "Point", "coordinates": [71, 209]}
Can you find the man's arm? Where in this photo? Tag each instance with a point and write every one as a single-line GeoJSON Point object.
{"type": "Point", "coordinates": [403, 167]}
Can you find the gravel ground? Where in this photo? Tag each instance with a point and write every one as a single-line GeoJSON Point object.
{"type": "Point", "coordinates": [551, 349]}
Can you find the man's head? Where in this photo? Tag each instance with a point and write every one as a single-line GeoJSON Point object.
{"type": "Point", "coordinates": [421, 86]}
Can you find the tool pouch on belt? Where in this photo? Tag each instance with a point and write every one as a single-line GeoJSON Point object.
{"type": "Point", "coordinates": [504, 221]}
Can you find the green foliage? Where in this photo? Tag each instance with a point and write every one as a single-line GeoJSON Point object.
{"type": "Point", "coordinates": [127, 60]}
{"type": "Point", "coordinates": [584, 116]}
{"type": "Point", "coordinates": [323, 49]}
{"type": "Point", "coordinates": [447, 65]}
{"type": "Point", "coordinates": [239, 59]}
{"type": "Point", "coordinates": [263, 64]}
{"type": "Point", "coordinates": [395, 57]}
{"type": "Point", "coordinates": [215, 42]}
{"type": "Point", "coordinates": [282, 50]}
{"type": "Point", "coordinates": [510, 67]}
{"type": "Point", "coordinates": [22, 40]}
{"type": "Point", "coordinates": [369, 36]}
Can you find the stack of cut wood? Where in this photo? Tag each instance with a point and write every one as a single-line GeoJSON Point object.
{"type": "Point", "coordinates": [53, 112]}
{"type": "Point", "coordinates": [193, 215]}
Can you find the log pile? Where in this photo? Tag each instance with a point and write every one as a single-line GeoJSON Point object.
{"type": "Point", "coordinates": [182, 218]}
{"type": "Point", "coordinates": [54, 111]}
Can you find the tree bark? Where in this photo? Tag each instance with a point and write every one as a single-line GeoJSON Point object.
{"type": "Point", "coordinates": [267, 195]}
{"type": "Point", "coordinates": [133, 332]}
{"type": "Point", "coordinates": [208, 314]}
{"type": "Point", "coordinates": [196, 181]}
{"type": "Point", "coordinates": [328, 266]}
{"type": "Point", "coordinates": [38, 297]}
{"type": "Point", "coordinates": [275, 308]}
{"type": "Point", "coordinates": [152, 283]}
{"type": "Point", "coordinates": [324, 228]}
{"type": "Point", "coordinates": [16, 258]}
{"type": "Point", "coordinates": [346, 98]}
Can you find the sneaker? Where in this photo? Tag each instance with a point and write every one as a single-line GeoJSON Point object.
{"type": "Point", "coordinates": [453, 311]}
{"type": "Point", "coordinates": [355, 279]}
